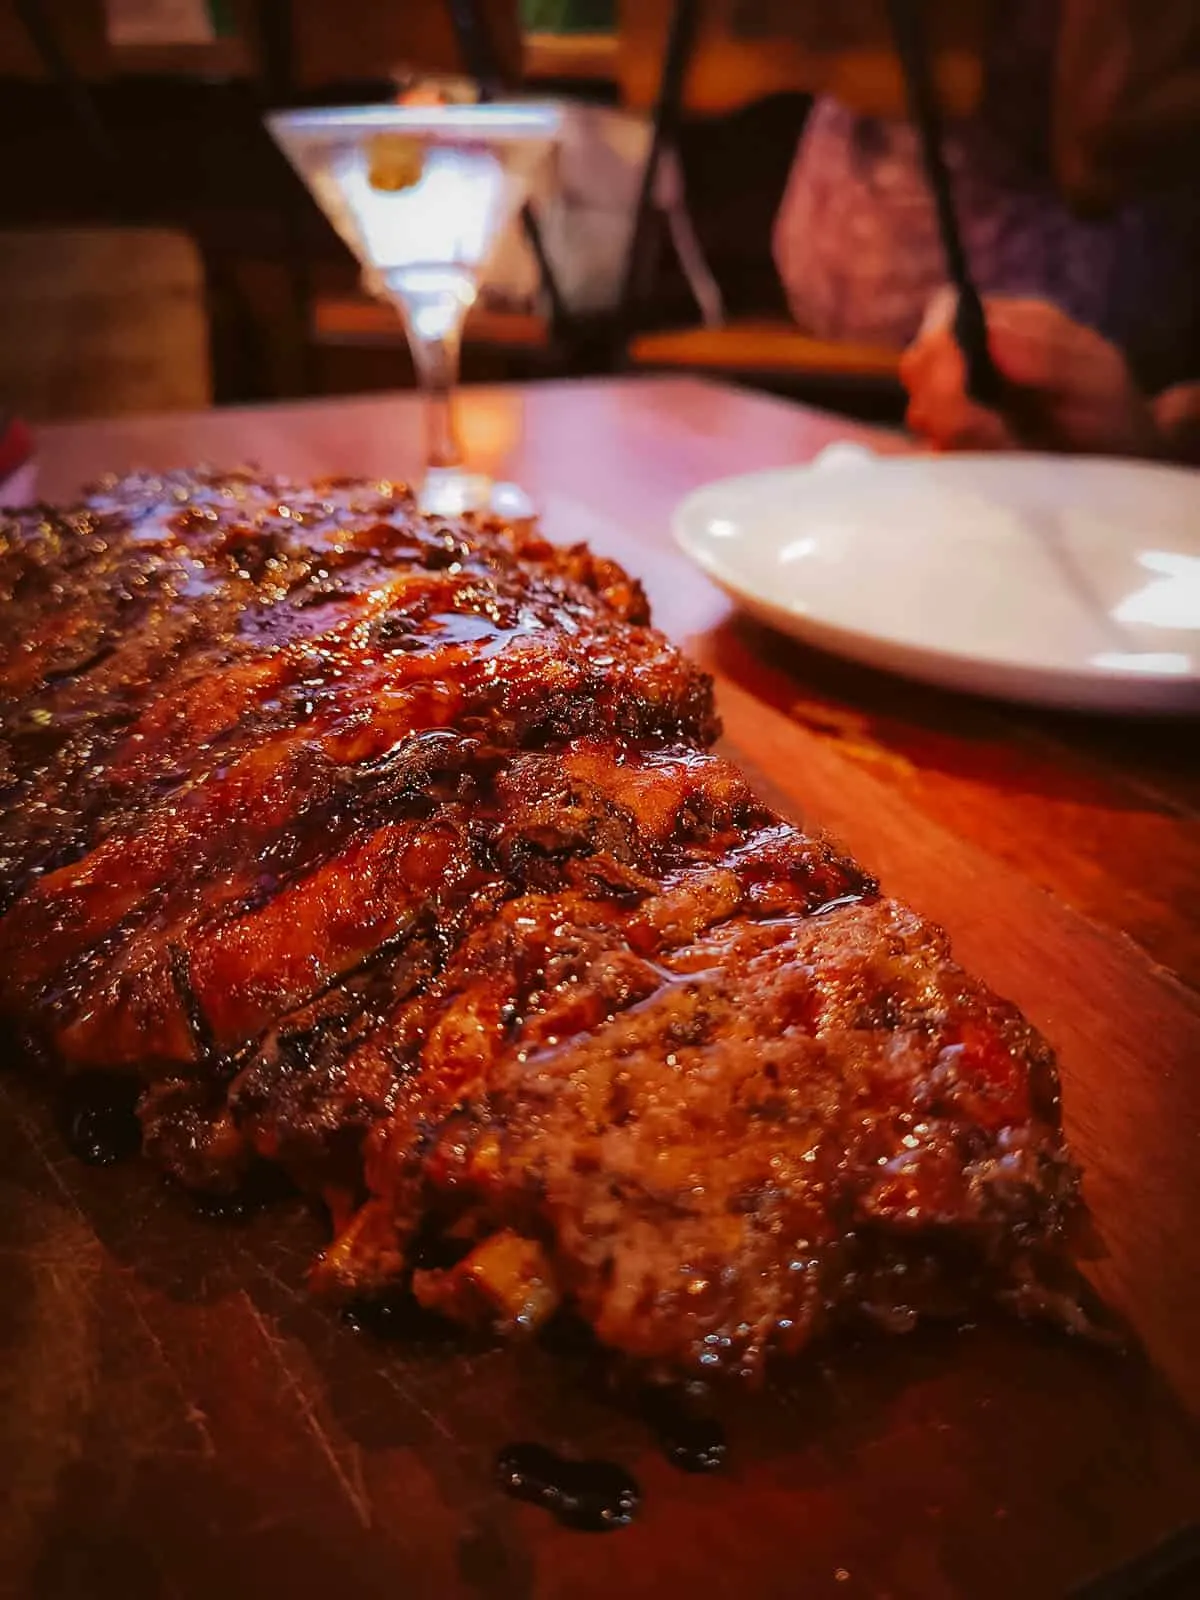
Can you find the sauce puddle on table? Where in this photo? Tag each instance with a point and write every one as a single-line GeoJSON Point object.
{"type": "Point", "coordinates": [593, 1496]}
{"type": "Point", "coordinates": [599, 1496]}
{"type": "Point", "coordinates": [691, 1440]}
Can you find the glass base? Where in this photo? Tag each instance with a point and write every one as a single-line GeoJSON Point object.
{"type": "Point", "coordinates": [451, 491]}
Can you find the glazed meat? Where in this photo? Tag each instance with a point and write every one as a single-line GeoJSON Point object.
{"type": "Point", "coordinates": [389, 851]}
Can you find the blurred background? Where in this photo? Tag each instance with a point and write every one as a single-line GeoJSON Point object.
{"type": "Point", "coordinates": [157, 252]}
{"type": "Point", "coordinates": [144, 209]}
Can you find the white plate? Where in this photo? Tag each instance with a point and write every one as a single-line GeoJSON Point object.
{"type": "Point", "coordinates": [1067, 580]}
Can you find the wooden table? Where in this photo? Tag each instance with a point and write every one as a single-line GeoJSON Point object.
{"type": "Point", "coordinates": [181, 1421]}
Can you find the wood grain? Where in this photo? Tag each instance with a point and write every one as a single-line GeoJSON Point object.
{"type": "Point", "coordinates": [180, 1420]}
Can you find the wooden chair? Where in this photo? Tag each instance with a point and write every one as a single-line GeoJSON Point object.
{"type": "Point", "coordinates": [709, 57]}
{"type": "Point", "coordinates": [101, 322]}
{"type": "Point", "coordinates": [358, 320]}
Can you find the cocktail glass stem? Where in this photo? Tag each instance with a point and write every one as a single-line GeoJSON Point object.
{"type": "Point", "coordinates": [437, 371]}
{"type": "Point", "coordinates": [434, 303]}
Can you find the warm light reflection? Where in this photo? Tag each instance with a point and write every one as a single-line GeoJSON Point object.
{"type": "Point", "coordinates": [490, 431]}
{"type": "Point", "coordinates": [798, 549]}
{"type": "Point", "coordinates": [1172, 600]}
{"type": "Point", "coordinates": [1157, 663]}
{"type": "Point", "coordinates": [452, 214]}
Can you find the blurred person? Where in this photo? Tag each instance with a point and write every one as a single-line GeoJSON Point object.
{"type": "Point", "coordinates": [1067, 388]}
{"type": "Point", "coordinates": [1075, 182]}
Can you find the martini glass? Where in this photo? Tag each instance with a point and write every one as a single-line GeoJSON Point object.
{"type": "Point", "coordinates": [421, 195]}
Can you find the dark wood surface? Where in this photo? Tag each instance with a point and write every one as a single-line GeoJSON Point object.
{"type": "Point", "coordinates": [177, 1419]}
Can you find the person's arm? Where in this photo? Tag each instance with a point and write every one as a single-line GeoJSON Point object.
{"type": "Point", "coordinates": [1068, 389]}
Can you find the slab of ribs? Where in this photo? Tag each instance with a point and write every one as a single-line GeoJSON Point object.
{"type": "Point", "coordinates": [389, 851]}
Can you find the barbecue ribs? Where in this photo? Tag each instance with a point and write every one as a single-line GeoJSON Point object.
{"type": "Point", "coordinates": [388, 850]}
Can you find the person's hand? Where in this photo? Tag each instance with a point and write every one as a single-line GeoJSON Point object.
{"type": "Point", "coordinates": [1067, 387]}
{"type": "Point", "coordinates": [1177, 417]}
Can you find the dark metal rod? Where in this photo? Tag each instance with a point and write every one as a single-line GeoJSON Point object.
{"type": "Point", "coordinates": [476, 48]}
{"type": "Point", "coordinates": [983, 381]}
{"type": "Point", "coordinates": [680, 39]}
{"type": "Point", "coordinates": [44, 37]}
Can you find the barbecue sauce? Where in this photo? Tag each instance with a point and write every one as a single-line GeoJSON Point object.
{"type": "Point", "coordinates": [592, 1496]}
{"type": "Point", "coordinates": [694, 1444]}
